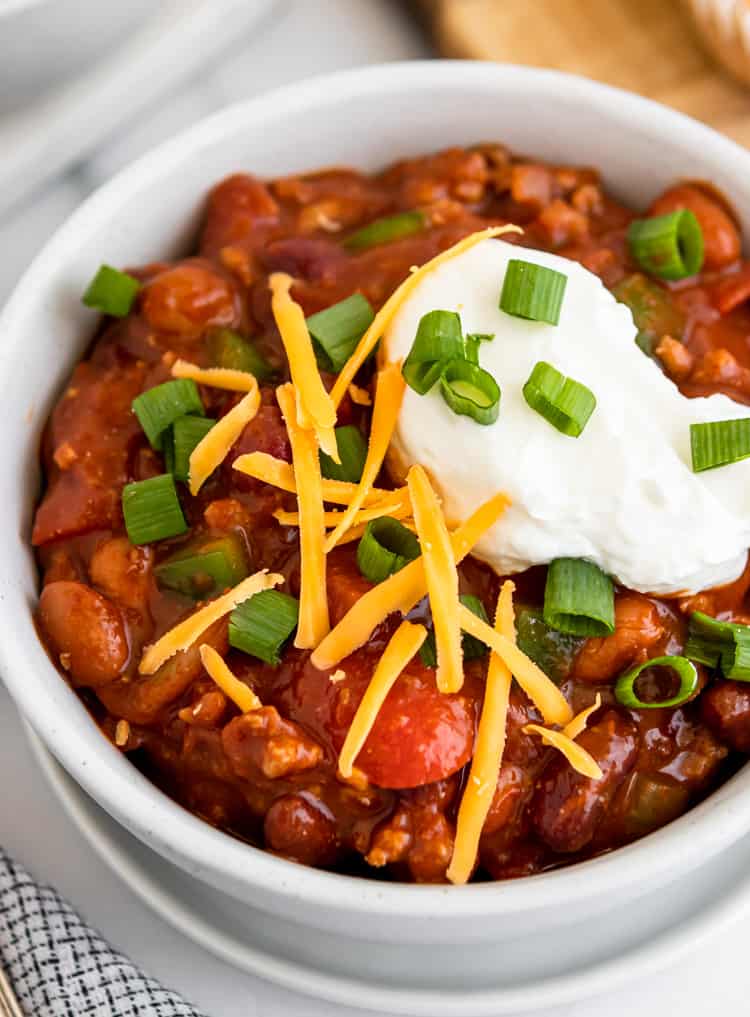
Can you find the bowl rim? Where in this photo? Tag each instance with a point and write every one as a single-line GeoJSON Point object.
{"type": "Point", "coordinates": [164, 824]}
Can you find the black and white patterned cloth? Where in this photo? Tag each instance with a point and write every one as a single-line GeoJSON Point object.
{"type": "Point", "coordinates": [60, 967]}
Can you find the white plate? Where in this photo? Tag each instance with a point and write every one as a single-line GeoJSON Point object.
{"type": "Point", "coordinates": [535, 972]}
{"type": "Point", "coordinates": [63, 125]}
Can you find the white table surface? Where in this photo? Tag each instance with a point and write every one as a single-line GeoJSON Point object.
{"type": "Point", "coordinates": [302, 37]}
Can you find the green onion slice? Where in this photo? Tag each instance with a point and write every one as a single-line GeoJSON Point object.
{"type": "Point", "coordinates": [152, 510]}
{"type": "Point", "coordinates": [262, 625]}
{"type": "Point", "coordinates": [552, 651]}
{"type": "Point", "coordinates": [438, 340]}
{"type": "Point", "coordinates": [470, 391]}
{"type": "Point", "coordinates": [563, 402]}
{"type": "Point", "coordinates": [187, 433]}
{"type": "Point", "coordinates": [111, 292]}
{"type": "Point", "coordinates": [685, 670]}
{"type": "Point", "coordinates": [473, 648]}
{"type": "Point", "coordinates": [473, 341]}
{"type": "Point", "coordinates": [579, 598]}
{"type": "Point", "coordinates": [337, 330]}
{"type": "Point", "coordinates": [384, 548]}
{"type": "Point", "coordinates": [668, 246]}
{"type": "Point", "coordinates": [719, 442]}
{"type": "Point", "coordinates": [383, 231]}
{"type": "Point", "coordinates": [159, 407]}
{"type": "Point", "coordinates": [229, 349]}
{"type": "Point", "coordinates": [532, 291]}
{"type": "Point", "coordinates": [204, 567]}
{"type": "Point", "coordinates": [352, 447]}
{"type": "Point", "coordinates": [718, 644]}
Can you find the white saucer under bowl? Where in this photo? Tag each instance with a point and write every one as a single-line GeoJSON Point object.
{"type": "Point", "coordinates": [537, 971]}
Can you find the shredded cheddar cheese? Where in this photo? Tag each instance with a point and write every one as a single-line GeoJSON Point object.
{"type": "Point", "coordinates": [360, 396]}
{"type": "Point", "coordinates": [314, 405]}
{"type": "Point", "coordinates": [215, 377]}
{"type": "Point", "coordinates": [541, 691]}
{"type": "Point", "coordinates": [395, 509]}
{"type": "Point", "coordinates": [578, 723]}
{"type": "Point", "coordinates": [212, 450]}
{"type": "Point", "coordinates": [388, 395]}
{"type": "Point", "coordinates": [313, 600]}
{"type": "Point", "coordinates": [399, 592]}
{"type": "Point", "coordinates": [191, 629]}
{"type": "Point", "coordinates": [387, 312]}
{"type": "Point", "coordinates": [441, 578]}
{"type": "Point", "coordinates": [488, 752]}
{"type": "Point", "coordinates": [581, 761]}
{"type": "Point", "coordinates": [404, 643]}
{"type": "Point", "coordinates": [240, 694]}
{"type": "Point", "coordinates": [279, 474]}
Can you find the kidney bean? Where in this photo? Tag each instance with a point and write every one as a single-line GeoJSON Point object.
{"type": "Point", "coordinates": [86, 632]}
{"type": "Point", "coordinates": [567, 807]}
{"type": "Point", "coordinates": [721, 238]}
{"type": "Point", "coordinates": [187, 299]}
{"type": "Point", "coordinates": [301, 827]}
{"type": "Point", "coordinates": [236, 208]}
{"type": "Point", "coordinates": [122, 572]}
{"type": "Point", "coordinates": [725, 707]}
{"type": "Point", "coordinates": [638, 626]}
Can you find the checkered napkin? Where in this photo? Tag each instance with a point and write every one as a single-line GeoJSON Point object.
{"type": "Point", "coordinates": [60, 967]}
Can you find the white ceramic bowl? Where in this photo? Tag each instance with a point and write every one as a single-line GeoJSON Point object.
{"type": "Point", "coordinates": [43, 42]}
{"type": "Point", "coordinates": [366, 118]}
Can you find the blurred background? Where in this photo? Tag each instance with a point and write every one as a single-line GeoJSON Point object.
{"type": "Point", "coordinates": [86, 87]}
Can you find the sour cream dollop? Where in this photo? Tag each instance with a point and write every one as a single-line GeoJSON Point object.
{"type": "Point", "coordinates": [623, 494]}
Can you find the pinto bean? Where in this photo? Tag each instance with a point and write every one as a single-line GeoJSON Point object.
{"type": "Point", "coordinates": [187, 299]}
{"type": "Point", "coordinates": [567, 807]}
{"type": "Point", "coordinates": [236, 208]}
{"type": "Point", "coordinates": [721, 238]}
{"type": "Point", "coordinates": [122, 572]}
{"type": "Point", "coordinates": [637, 628]}
{"type": "Point", "coordinates": [303, 828]}
{"type": "Point", "coordinates": [725, 707]}
{"type": "Point", "coordinates": [85, 630]}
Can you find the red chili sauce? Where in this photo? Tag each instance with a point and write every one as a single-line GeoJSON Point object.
{"type": "Point", "coordinates": [269, 777]}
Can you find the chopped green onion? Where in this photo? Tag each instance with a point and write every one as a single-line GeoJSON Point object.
{"type": "Point", "coordinates": [438, 340]}
{"type": "Point", "coordinates": [470, 391]}
{"type": "Point", "coordinates": [229, 349]}
{"type": "Point", "coordinates": [472, 343]}
{"type": "Point", "coordinates": [719, 442]}
{"type": "Point", "coordinates": [717, 644]}
{"type": "Point", "coordinates": [263, 624]}
{"type": "Point", "coordinates": [384, 548]}
{"type": "Point", "coordinates": [473, 648]}
{"type": "Point", "coordinates": [579, 598]}
{"type": "Point", "coordinates": [352, 448]}
{"type": "Point", "coordinates": [187, 433]}
{"type": "Point", "coordinates": [552, 651]}
{"type": "Point", "coordinates": [337, 330]}
{"type": "Point", "coordinates": [685, 670]}
{"type": "Point", "coordinates": [111, 292]}
{"type": "Point", "coordinates": [532, 291]}
{"type": "Point", "coordinates": [383, 231]}
{"type": "Point", "coordinates": [654, 313]}
{"type": "Point", "coordinates": [668, 246]}
{"type": "Point", "coordinates": [152, 510]}
{"type": "Point", "coordinates": [204, 567]}
{"type": "Point", "coordinates": [159, 407]}
{"type": "Point", "coordinates": [563, 402]}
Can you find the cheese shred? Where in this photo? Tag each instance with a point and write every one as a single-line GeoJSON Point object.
{"type": "Point", "coordinates": [215, 377]}
{"type": "Point", "coordinates": [212, 450]}
{"type": "Point", "coordinates": [578, 723]}
{"type": "Point", "coordinates": [581, 761]}
{"type": "Point", "coordinates": [240, 694]}
{"type": "Point", "coordinates": [394, 509]}
{"type": "Point", "coordinates": [488, 752]}
{"type": "Point", "coordinates": [387, 312]}
{"type": "Point", "coordinates": [399, 592]}
{"type": "Point", "coordinates": [388, 395]}
{"type": "Point", "coordinates": [314, 405]}
{"type": "Point", "coordinates": [313, 599]}
{"type": "Point", "coordinates": [543, 693]}
{"type": "Point", "coordinates": [189, 631]}
{"type": "Point", "coordinates": [441, 577]}
{"type": "Point", "coordinates": [404, 643]}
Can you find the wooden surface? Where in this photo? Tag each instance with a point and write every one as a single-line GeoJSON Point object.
{"type": "Point", "coordinates": [646, 46]}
